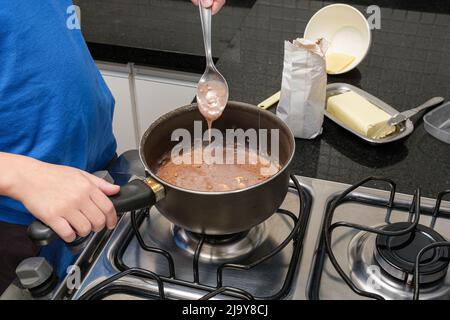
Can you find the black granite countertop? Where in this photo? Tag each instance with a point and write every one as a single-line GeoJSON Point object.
{"type": "Point", "coordinates": [163, 33]}
{"type": "Point", "coordinates": [408, 63]}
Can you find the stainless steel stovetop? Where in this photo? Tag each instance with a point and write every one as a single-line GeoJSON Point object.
{"type": "Point", "coordinates": [312, 276]}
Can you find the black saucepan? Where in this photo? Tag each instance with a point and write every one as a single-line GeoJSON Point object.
{"type": "Point", "coordinates": [211, 213]}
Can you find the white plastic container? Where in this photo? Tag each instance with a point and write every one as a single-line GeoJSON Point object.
{"type": "Point", "coordinates": [437, 122]}
{"type": "Point", "coordinates": [345, 27]}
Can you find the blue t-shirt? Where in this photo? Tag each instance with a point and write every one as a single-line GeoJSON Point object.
{"type": "Point", "coordinates": [54, 104]}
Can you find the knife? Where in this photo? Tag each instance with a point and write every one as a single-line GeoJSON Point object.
{"type": "Point", "coordinates": [269, 102]}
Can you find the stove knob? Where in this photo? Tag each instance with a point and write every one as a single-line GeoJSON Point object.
{"type": "Point", "coordinates": [41, 234]}
{"type": "Point", "coordinates": [36, 275]}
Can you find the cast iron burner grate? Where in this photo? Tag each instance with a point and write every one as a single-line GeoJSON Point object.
{"type": "Point", "coordinates": [296, 237]}
{"type": "Point", "coordinates": [397, 255]}
{"type": "Point", "coordinates": [407, 251]}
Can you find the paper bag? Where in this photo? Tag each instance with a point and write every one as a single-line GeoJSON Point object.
{"type": "Point", "coordinates": [303, 88]}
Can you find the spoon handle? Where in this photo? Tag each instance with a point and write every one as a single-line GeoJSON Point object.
{"type": "Point", "coordinates": [206, 17]}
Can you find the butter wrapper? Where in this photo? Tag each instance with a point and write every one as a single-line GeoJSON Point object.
{"type": "Point", "coordinates": [303, 87]}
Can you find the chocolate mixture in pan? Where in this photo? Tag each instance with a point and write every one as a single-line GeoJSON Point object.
{"type": "Point", "coordinates": [217, 177]}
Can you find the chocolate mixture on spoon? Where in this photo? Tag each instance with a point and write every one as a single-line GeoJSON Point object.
{"type": "Point", "coordinates": [212, 98]}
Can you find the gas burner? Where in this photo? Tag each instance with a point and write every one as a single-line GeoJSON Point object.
{"type": "Point", "coordinates": [397, 255]}
{"type": "Point", "coordinates": [381, 259]}
{"type": "Point", "coordinates": [219, 249]}
{"type": "Point", "coordinates": [368, 274]}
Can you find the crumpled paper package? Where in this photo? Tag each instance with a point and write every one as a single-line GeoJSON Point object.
{"type": "Point", "coordinates": [303, 88]}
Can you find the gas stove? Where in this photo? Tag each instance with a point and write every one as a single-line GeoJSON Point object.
{"type": "Point", "coordinates": [328, 240]}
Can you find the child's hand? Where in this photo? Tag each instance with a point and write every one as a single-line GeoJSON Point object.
{"type": "Point", "coordinates": [70, 201]}
{"type": "Point", "coordinates": [215, 5]}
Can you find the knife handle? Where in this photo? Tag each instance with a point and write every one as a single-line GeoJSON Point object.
{"type": "Point", "coordinates": [430, 103]}
{"type": "Point", "coordinates": [269, 102]}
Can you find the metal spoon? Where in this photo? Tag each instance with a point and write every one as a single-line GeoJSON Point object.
{"type": "Point", "coordinates": [402, 117]}
{"type": "Point", "coordinates": [211, 75]}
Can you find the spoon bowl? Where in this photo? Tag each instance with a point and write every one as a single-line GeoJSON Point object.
{"type": "Point", "coordinates": [212, 94]}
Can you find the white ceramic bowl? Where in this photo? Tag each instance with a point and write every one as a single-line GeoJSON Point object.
{"type": "Point", "coordinates": [345, 27]}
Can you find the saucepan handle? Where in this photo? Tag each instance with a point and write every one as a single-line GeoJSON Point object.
{"type": "Point", "coordinates": [135, 195]}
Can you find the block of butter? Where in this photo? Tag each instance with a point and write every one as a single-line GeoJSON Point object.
{"type": "Point", "coordinates": [360, 115]}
